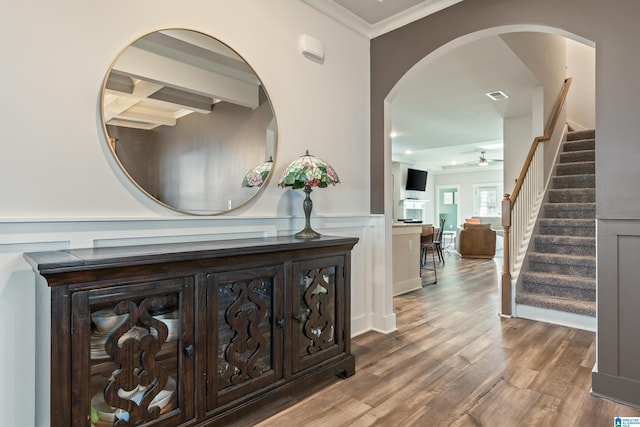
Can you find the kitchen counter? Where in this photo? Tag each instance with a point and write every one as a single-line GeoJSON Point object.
{"type": "Point", "coordinates": [406, 257]}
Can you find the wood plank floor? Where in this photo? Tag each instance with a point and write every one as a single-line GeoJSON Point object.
{"type": "Point", "coordinates": [454, 362]}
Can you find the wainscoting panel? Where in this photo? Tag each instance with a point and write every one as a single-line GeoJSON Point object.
{"type": "Point", "coordinates": [629, 255]}
{"type": "Point", "coordinates": [617, 373]}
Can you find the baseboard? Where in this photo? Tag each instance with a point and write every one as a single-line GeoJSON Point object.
{"type": "Point", "coordinates": [625, 391]}
{"type": "Point", "coordinates": [406, 286]}
{"type": "Point", "coordinates": [360, 325]}
{"type": "Point", "coordinates": [571, 320]}
{"type": "Point", "coordinates": [384, 324]}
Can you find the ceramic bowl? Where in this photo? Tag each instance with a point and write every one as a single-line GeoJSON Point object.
{"type": "Point", "coordinates": [163, 398]}
{"type": "Point", "coordinates": [107, 320]}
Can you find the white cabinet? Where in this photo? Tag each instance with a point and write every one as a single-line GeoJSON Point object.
{"type": "Point", "coordinates": [415, 209]}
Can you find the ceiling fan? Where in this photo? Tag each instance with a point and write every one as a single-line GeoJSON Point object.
{"type": "Point", "coordinates": [483, 161]}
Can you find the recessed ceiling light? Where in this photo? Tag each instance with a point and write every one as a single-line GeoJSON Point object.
{"type": "Point", "coordinates": [497, 95]}
{"type": "Point", "coordinates": [408, 152]}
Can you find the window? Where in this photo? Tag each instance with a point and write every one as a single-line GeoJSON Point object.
{"type": "Point", "coordinates": [487, 199]}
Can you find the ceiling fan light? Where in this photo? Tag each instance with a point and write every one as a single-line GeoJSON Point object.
{"type": "Point", "coordinates": [483, 160]}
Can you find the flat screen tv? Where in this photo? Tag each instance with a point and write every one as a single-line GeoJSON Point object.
{"type": "Point", "coordinates": [416, 180]}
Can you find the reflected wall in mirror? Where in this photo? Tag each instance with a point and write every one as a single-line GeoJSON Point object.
{"type": "Point", "coordinates": [186, 118]}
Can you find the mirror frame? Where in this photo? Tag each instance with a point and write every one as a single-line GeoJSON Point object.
{"type": "Point", "coordinates": [111, 141]}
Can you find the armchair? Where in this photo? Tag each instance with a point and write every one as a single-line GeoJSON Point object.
{"type": "Point", "coordinates": [476, 241]}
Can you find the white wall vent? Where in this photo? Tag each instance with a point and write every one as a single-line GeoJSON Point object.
{"type": "Point", "coordinates": [497, 95]}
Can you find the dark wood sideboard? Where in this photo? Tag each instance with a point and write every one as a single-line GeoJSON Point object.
{"type": "Point", "coordinates": [187, 334]}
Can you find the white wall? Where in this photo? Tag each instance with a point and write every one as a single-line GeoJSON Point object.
{"type": "Point", "coordinates": [545, 56]}
{"type": "Point", "coordinates": [466, 181]}
{"type": "Point", "coordinates": [581, 99]}
{"type": "Point", "coordinates": [518, 137]}
{"type": "Point", "coordinates": [59, 54]}
{"type": "Point", "coordinates": [60, 188]}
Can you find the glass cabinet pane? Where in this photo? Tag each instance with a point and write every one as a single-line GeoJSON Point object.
{"type": "Point", "coordinates": [318, 309]}
{"type": "Point", "coordinates": [244, 328]}
{"type": "Point", "coordinates": [245, 342]}
{"type": "Point", "coordinates": [136, 362]}
{"type": "Point", "coordinates": [317, 299]}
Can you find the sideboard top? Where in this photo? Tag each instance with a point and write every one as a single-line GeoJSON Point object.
{"type": "Point", "coordinates": [60, 261]}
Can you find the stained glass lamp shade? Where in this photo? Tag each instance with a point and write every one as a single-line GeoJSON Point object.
{"type": "Point", "coordinates": [258, 175]}
{"type": "Point", "coordinates": [306, 172]}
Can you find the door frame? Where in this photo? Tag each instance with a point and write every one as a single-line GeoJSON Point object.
{"type": "Point", "coordinates": [439, 187]}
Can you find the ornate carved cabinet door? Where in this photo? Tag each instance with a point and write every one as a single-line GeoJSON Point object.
{"type": "Point", "coordinates": [245, 331]}
{"type": "Point", "coordinates": [133, 354]}
{"type": "Point", "coordinates": [319, 311]}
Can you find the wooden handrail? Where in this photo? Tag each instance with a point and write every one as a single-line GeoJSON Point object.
{"type": "Point", "coordinates": [547, 136]}
{"type": "Point", "coordinates": [509, 199]}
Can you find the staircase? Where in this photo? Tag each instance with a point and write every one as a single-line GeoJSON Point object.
{"type": "Point", "coordinates": [560, 273]}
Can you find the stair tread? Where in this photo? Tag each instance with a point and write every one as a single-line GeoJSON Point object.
{"type": "Point", "coordinates": [573, 222]}
{"type": "Point", "coordinates": [572, 206]}
{"type": "Point", "coordinates": [561, 280]}
{"type": "Point", "coordinates": [587, 260]}
{"type": "Point", "coordinates": [574, 190]}
{"type": "Point", "coordinates": [573, 164]}
{"type": "Point", "coordinates": [576, 176]}
{"type": "Point", "coordinates": [570, 305]}
{"type": "Point", "coordinates": [577, 152]}
{"type": "Point", "coordinates": [586, 150]}
{"type": "Point", "coordinates": [569, 240]}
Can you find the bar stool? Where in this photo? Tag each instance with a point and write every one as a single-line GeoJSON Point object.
{"type": "Point", "coordinates": [427, 245]}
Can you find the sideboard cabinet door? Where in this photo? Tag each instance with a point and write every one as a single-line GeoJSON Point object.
{"type": "Point", "coordinates": [244, 334]}
{"type": "Point", "coordinates": [318, 310]}
{"type": "Point", "coordinates": [132, 354]}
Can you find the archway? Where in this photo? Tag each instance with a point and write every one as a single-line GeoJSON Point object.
{"type": "Point", "coordinates": [425, 62]}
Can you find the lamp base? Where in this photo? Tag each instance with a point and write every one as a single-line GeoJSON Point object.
{"type": "Point", "coordinates": [307, 233]}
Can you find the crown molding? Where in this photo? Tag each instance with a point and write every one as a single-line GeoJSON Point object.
{"type": "Point", "coordinates": [351, 20]}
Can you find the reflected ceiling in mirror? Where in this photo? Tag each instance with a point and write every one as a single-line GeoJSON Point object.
{"type": "Point", "coordinates": [187, 119]}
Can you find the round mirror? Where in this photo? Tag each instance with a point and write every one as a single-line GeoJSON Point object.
{"type": "Point", "coordinates": [189, 122]}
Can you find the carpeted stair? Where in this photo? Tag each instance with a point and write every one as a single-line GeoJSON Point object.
{"type": "Point", "coordinates": [561, 268]}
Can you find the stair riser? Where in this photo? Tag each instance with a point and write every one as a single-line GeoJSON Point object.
{"type": "Point", "coordinates": [559, 291]}
{"type": "Point", "coordinates": [576, 168]}
{"type": "Point", "coordinates": [550, 248]}
{"type": "Point", "coordinates": [578, 156]}
{"type": "Point", "coordinates": [572, 196]}
{"type": "Point", "coordinates": [588, 310]}
{"type": "Point", "coordinates": [551, 230]}
{"type": "Point", "coordinates": [579, 145]}
{"type": "Point", "coordinates": [572, 270]}
{"type": "Point", "coordinates": [581, 134]}
{"type": "Point", "coordinates": [568, 181]}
